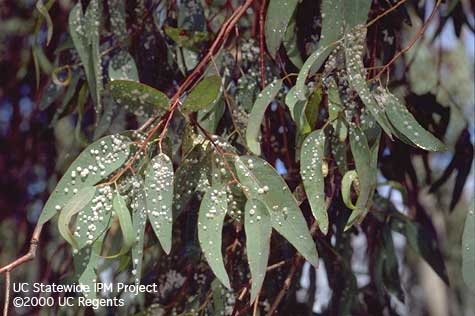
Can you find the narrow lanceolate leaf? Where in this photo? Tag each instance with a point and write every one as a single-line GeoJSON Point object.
{"type": "Point", "coordinates": [405, 123]}
{"type": "Point", "coordinates": [94, 164]}
{"type": "Point", "coordinates": [468, 249]}
{"type": "Point", "coordinates": [297, 111]}
{"type": "Point", "coordinates": [278, 17]}
{"type": "Point", "coordinates": [117, 18]}
{"type": "Point", "coordinates": [139, 220]}
{"type": "Point", "coordinates": [256, 116]}
{"type": "Point", "coordinates": [203, 94]}
{"type": "Point", "coordinates": [258, 226]}
{"type": "Point", "coordinates": [312, 157]}
{"type": "Point", "coordinates": [125, 222]}
{"type": "Point", "coordinates": [314, 62]}
{"type": "Point", "coordinates": [346, 184]}
{"type": "Point", "coordinates": [139, 98]}
{"type": "Point", "coordinates": [74, 205]}
{"type": "Point", "coordinates": [122, 67]}
{"type": "Point", "coordinates": [159, 193]}
{"type": "Point", "coordinates": [291, 45]}
{"type": "Point", "coordinates": [263, 183]}
{"type": "Point", "coordinates": [85, 264]}
{"type": "Point", "coordinates": [40, 6]}
{"type": "Point", "coordinates": [339, 16]}
{"type": "Point", "coordinates": [354, 47]}
{"type": "Point", "coordinates": [84, 30]}
{"type": "Point", "coordinates": [366, 174]}
{"type": "Point", "coordinates": [210, 225]}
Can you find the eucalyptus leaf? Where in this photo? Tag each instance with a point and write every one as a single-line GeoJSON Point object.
{"type": "Point", "coordinates": [346, 184]}
{"type": "Point", "coordinates": [262, 182]}
{"type": "Point", "coordinates": [159, 183]}
{"type": "Point", "coordinates": [94, 164]}
{"type": "Point", "coordinates": [122, 67]}
{"type": "Point", "coordinates": [125, 222]}
{"type": "Point", "coordinates": [210, 225]}
{"type": "Point", "coordinates": [312, 157]}
{"type": "Point", "coordinates": [468, 248]}
{"type": "Point", "coordinates": [258, 232]}
{"type": "Point", "coordinates": [206, 92]}
{"type": "Point", "coordinates": [72, 207]}
{"type": "Point", "coordinates": [139, 220]}
{"type": "Point", "coordinates": [139, 98]}
{"type": "Point", "coordinates": [279, 14]}
{"type": "Point", "coordinates": [257, 115]}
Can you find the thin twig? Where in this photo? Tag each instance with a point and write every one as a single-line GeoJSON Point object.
{"type": "Point", "coordinates": [412, 42]}
{"type": "Point", "coordinates": [7, 294]}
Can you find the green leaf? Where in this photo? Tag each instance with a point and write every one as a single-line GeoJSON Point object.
{"type": "Point", "coordinates": [314, 61]}
{"type": "Point", "coordinates": [139, 220]}
{"type": "Point", "coordinates": [366, 174]}
{"type": "Point", "coordinates": [85, 262]}
{"type": "Point", "coordinates": [126, 226]}
{"type": "Point", "coordinates": [291, 45]}
{"type": "Point", "coordinates": [139, 98]}
{"type": "Point", "coordinates": [263, 183]}
{"type": "Point", "coordinates": [297, 111]}
{"type": "Point", "coordinates": [84, 30]}
{"type": "Point", "coordinates": [257, 115]}
{"type": "Point", "coordinates": [339, 16]}
{"type": "Point", "coordinates": [122, 67]}
{"type": "Point", "coordinates": [312, 157]}
{"type": "Point", "coordinates": [94, 164]}
{"type": "Point", "coordinates": [346, 184]}
{"type": "Point", "coordinates": [339, 150]}
{"type": "Point", "coordinates": [52, 92]}
{"type": "Point", "coordinates": [206, 92]}
{"type": "Point", "coordinates": [72, 207]}
{"type": "Point", "coordinates": [258, 232]}
{"type": "Point", "coordinates": [335, 105]}
{"type": "Point", "coordinates": [468, 249]}
{"type": "Point", "coordinates": [405, 123]}
{"type": "Point", "coordinates": [354, 48]}
{"type": "Point", "coordinates": [278, 17]}
{"type": "Point", "coordinates": [210, 225]}
{"type": "Point", "coordinates": [40, 6]}
{"type": "Point", "coordinates": [159, 192]}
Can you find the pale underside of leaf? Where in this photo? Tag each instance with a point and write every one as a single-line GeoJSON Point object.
{"type": "Point", "coordinates": [312, 157]}
{"type": "Point", "coordinates": [263, 183]}
{"type": "Point", "coordinates": [139, 220]}
{"type": "Point", "coordinates": [72, 207]}
{"type": "Point", "coordinates": [125, 223]}
{"type": "Point", "coordinates": [94, 164]}
{"type": "Point", "coordinates": [258, 232]}
{"type": "Point", "coordinates": [159, 183]}
{"type": "Point", "coordinates": [257, 115]}
{"type": "Point", "coordinates": [210, 225]}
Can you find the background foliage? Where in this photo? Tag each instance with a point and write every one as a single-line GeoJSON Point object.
{"type": "Point", "coordinates": [193, 94]}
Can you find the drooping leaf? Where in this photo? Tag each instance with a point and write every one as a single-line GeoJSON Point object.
{"type": "Point", "coordinates": [210, 225]}
{"type": "Point", "coordinates": [72, 207]}
{"type": "Point", "coordinates": [256, 116]}
{"type": "Point", "coordinates": [94, 164]}
{"type": "Point", "coordinates": [339, 150]}
{"type": "Point", "coordinates": [85, 263]}
{"type": "Point", "coordinates": [40, 6]}
{"type": "Point", "coordinates": [335, 105]}
{"type": "Point", "coordinates": [125, 222]}
{"type": "Point", "coordinates": [346, 184]}
{"type": "Point", "coordinates": [291, 45]}
{"type": "Point", "coordinates": [405, 123]}
{"type": "Point", "coordinates": [312, 157]}
{"type": "Point", "coordinates": [263, 183]}
{"type": "Point", "coordinates": [52, 92]}
{"type": "Point", "coordinates": [366, 174]}
{"type": "Point", "coordinates": [203, 94]}
{"type": "Point", "coordinates": [258, 232]}
{"type": "Point", "coordinates": [354, 48]}
{"type": "Point", "coordinates": [139, 220]}
{"type": "Point", "coordinates": [159, 192]}
{"type": "Point", "coordinates": [468, 248]}
{"type": "Point", "coordinates": [297, 111]}
{"type": "Point", "coordinates": [122, 67]}
{"type": "Point", "coordinates": [278, 17]}
{"type": "Point", "coordinates": [314, 61]}
{"type": "Point", "coordinates": [84, 30]}
{"type": "Point", "coordinates": [139, 98]}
